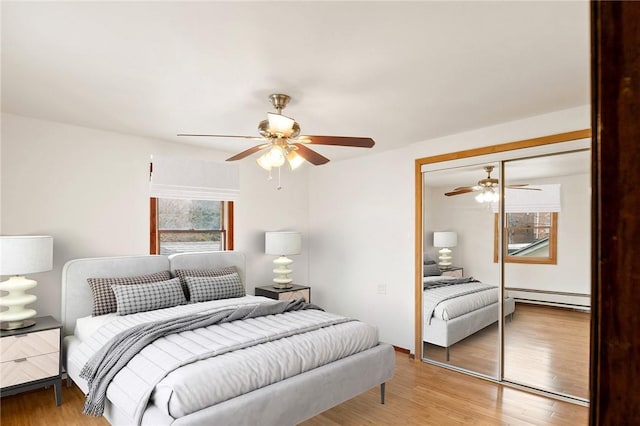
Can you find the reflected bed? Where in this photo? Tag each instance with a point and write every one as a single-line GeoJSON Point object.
{"type": "Point", "coordinates": [454, 309]}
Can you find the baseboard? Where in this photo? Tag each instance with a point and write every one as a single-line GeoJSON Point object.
{"type": "Point", "coordinates": [551, 298]}
{"type": "Point", "coordinates": [404, 351]}
{"type": "Point", "coordinates": [580, 308]}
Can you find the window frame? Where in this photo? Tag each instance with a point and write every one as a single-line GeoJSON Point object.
{"type": "Point", "coordinates": [227, 225]}
{"type": "Point", "coordinates": [552, 259]}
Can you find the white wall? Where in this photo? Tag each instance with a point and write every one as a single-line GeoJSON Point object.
{"type": "Point", "coordinates": [361, 223]}
{"type": "Point", "coordinates": [89, 190]}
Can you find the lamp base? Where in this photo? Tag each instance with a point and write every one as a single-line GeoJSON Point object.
{"type": "Point", "coordinates": [445, 258]}
{"type": "Point", "coordinates": [282, 271]}
{"type": "Point", "coordinates": [281, 286]}
{"type": "Point", "coordinates": [16, 325]}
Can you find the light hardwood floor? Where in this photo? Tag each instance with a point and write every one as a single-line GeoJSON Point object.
{"type": "Point", "coordinates": [545, 347]}
{"type": "Point", "coordinates": [418, 394]}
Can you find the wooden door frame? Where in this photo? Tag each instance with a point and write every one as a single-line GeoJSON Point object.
{"type": "Point", "coordinates": [615, 333]}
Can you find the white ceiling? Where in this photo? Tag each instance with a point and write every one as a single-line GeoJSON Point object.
{"type": "Point", "coordinates": [397, 72]}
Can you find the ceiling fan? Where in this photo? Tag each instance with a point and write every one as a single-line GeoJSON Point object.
{"type": "Point", "coordinates": [487, 188]}
{"type": "Point", "coordinates": [281, 134]}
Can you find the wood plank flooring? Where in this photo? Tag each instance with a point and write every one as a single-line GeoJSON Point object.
{"type": "Point", "coordinates": [545, 347]}
{"type": "Point", "coordinates": [418, 394]}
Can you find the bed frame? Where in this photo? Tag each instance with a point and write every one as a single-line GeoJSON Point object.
{"type": "Point", "coordinates": [288, 402]}
{"type": "Point", "coordinates": [447, 333]}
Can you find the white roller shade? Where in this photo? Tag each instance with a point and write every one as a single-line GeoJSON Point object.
{"type": "Point", "coordinates": [547, 199]}
{"type": "Point", "coordinates": [186, 178]}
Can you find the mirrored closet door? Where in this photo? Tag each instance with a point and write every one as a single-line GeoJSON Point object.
{"type": "Point", "coordinates": [451, 287]}
{"type": "Point", "coordinates": [504, 279]}
{"type": "Point", "coordinates": [547, 252]}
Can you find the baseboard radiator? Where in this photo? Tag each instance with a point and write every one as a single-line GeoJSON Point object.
{"type": "Point", "coordinates": [576, 301]}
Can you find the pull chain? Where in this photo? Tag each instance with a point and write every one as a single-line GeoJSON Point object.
{"type": "Point", "coordinates": [279, 185]}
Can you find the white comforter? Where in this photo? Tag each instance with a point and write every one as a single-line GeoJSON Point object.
{"type": "Point", "coordinates": [206, 382]}
{"type": "Point", "coordinates": [449, 302]}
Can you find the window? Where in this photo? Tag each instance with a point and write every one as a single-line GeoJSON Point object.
{"type": "Point", "coordinates": [183, 225]}
{"type": "Point", "coordinates": [529, 237]}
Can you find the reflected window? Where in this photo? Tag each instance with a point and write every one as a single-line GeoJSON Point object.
{"type": "Point", "coordinates": [529, 237]}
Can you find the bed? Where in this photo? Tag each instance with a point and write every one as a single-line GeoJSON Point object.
{"type": "Point", "coordinates": [455, 308]}
{"type": "Point", "coordinates": [268, 370]}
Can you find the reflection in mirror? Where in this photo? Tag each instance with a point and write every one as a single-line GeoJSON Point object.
{"type": "Point", "coordinates": [546, 344]}
{"type": "Point", "coordinates": [527, 234]}
{"type": "Point", "coordinates": [460, 295]}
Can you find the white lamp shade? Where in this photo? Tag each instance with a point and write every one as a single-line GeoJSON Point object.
{"type": "Point", "coordinates": [282, 243]}
{"type": "Point", "coordinates": [445, 239]}
{"type": "Point", "coordinates": [21, 255]}
{"type": "Point", "coordinates": [280, 124]}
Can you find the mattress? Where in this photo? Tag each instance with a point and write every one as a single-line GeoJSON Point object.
{"type": "Point", "coordinates": [213, 380]}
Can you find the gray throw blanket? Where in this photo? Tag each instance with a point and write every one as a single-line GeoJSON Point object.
{"type": "Point", "coordinates": [106, 363]}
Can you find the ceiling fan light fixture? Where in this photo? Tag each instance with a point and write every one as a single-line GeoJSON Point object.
{"type": "Point", "coordinates": [263, 161]}
{"type": "Point", "coordinates": [295, 160]}
{"type": "Point", "coordinates": [488, 195]}
{"type": "Point", "coordinates": [276, 156]}
{"type": "Point", "coordinates": [280, 125]}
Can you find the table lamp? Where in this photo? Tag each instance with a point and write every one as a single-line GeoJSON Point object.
{"type": "Point", "coordinates": [445, 240]}
{"type": "Point", "coordinates": [282, 244]}
{"type": "Point", "coordinates": [20, 255]}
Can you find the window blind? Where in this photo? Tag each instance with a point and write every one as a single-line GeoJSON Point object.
{"type": "Point", "coordinates": [526, 201]}
{"type": "Point", "coordinates": [186, 178]}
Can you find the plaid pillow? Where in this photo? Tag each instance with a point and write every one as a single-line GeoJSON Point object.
{"type": "Point", "coordinates": [214, 288]}
{"type": "Point", "coordinates": [183, 273]}
{"type": "Point", "coordinates": [104, 300]}
{"type": "Point", "coordinates": [147, 297]}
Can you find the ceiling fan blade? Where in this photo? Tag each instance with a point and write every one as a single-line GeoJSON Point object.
{"type": "Point", "coordinates": [473, 188]}
{"type": "Point", "coordinates": [248, 152]}
{"type": "Point", "coordinates": [310, 155]}
{"type": "Point", "coordinates": [337, 140]}
{"type": "Point", "coordinates": [459, 191]}
{"type": "Point", "coordinates": [222, 136]}
{"type": "Point", "coordinates": [522, 187]}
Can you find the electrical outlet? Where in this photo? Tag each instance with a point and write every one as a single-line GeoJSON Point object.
{"type": "Point", "coordinates": [382, 289]}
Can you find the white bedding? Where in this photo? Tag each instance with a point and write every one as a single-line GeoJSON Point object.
{"type": "Point", "coordinates": [191, 387]}
{"type": "Point", "coordinates": [454, 307]}
{"type": "Point", "coordinates": [461, 305]}
{"type": "Point", "coordinates": [86, 326]}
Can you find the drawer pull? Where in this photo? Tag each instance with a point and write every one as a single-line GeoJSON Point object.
{"type": "Point", "coordinates": [21, 335]}
{"type": "Point", "coordinates": [20, 360]}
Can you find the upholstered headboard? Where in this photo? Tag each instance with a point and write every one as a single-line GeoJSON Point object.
{"type": "Point", "coordinates": [77, 300]}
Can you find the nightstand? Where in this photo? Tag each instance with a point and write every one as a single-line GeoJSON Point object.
{"type": "Point", "coordinates": [453, 271]}
{"type": "Point", "coordinates": [30, 358]}
{"type": "Point", "coordinates": [294, 292]}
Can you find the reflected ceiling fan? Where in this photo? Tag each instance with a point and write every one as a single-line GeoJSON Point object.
{"type": "Point", "coordinates": [281, 135]}
{"type": "Point", "coordinates": [487, 188]}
